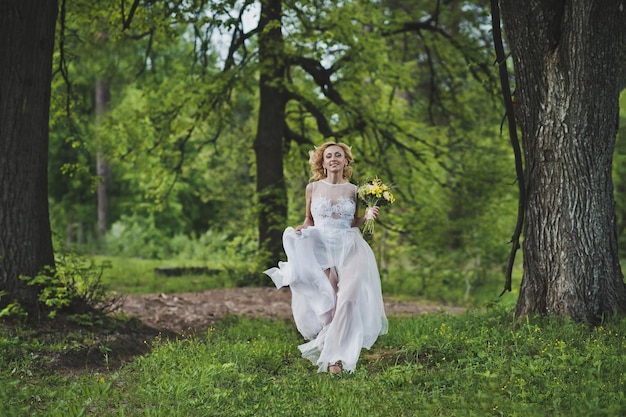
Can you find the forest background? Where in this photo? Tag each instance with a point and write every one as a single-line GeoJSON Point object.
{"type": "Point", "coordinates": [159, 118]}
{"type": "Point", "coordinates": [155, 111]}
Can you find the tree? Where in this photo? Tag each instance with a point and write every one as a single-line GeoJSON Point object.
{"type": "Point", "coordinates": [26, 45]}
{"type": "Point", "coordinates": [268, 144]}
{"type": "Point", "coordinates": [569, 60]}
{"type": "Point", "coordinates": [403, 86]}
{"type": "Point", "coordinates": [103, 168]}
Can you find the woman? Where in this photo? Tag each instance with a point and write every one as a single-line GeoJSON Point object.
{"type": "Point", "coordinates": [336, 295]}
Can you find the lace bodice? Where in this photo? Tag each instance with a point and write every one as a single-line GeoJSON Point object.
{"type": "Point", "coordinates": [333, 205]}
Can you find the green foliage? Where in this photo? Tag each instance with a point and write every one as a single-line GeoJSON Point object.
{"type": "Point", "coordinates": [420, 110]}
{"type": "Point", "coordinates": [137, 236]}
{"type": "Point", "coordinates": [12, 310]}
{"type": "Point", "coordinates": [479, 363]}
{"type": "Point", "coordinates": [619, 173]}
{"type": "Point", "coordinates": [432, 121]}
{"type": "Point", "coordinates": [73, 285]}
{"type": "Point", "coordinates": [136, 247]}
{"type": "Point", "coordinates": [231, 260]}
{"type": "Point", "coordinates": [54, 293]}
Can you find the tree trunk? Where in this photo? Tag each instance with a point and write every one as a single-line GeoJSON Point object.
{"type": "Point", "coordinates": [103, 169]}
{"type": "Point", "coordinates": [27, 30]}
{"type": "Point", "coordinates": [268, 144]}
{"type": "Point", "coordinates": [569, 60]}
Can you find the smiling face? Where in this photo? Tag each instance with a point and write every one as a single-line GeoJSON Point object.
{"type": "Point", "coordinates": [334, 159]}
{"type": "Point", "coordinates": [329, 159]}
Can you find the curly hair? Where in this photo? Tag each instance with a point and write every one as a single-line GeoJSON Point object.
{"type": "Point", "coordinates": [316, 159]}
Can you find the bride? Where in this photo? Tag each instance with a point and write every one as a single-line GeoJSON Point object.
{"type": "Point", "coordinates": [336, 300]}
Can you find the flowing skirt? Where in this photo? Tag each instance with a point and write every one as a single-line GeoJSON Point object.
{"type": "Point", "coordinates": [337, 325]}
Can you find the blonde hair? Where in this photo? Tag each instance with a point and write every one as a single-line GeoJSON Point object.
{"type": "Point", "coordinates": [316, 159]}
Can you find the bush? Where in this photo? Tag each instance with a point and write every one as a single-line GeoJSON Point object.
{"type": "Point", "coordinates": [73, 285]}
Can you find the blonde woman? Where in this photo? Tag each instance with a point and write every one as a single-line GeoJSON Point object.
{"type": "Point", "coordinates": [337, 301]}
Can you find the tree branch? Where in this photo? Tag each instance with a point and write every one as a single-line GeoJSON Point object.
{"type": "Point", "coordinates": [431, 25]}
{"type": "Point", "coordinates": [321, 76]}
{"type": "Point", "coordinates": [322, 124]}
{"type": "Point", "coordinates": [238, 39]}
{"type": "Point", "coordinates": [146, 53]}
{"type": "Point", "coordinates": [510, 113]}
{"type": "Point", "coordinates": [131, 14]}
{"type": "Point", "coordinates": [292, 135]}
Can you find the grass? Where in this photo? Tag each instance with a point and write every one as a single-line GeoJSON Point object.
{"type": "Point", "coordinates": [136, 276]}
{"type": "Point", "coordinates": [476, 364]}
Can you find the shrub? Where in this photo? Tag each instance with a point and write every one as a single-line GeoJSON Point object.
{"type": "Point", "coordinates": [73, 285]}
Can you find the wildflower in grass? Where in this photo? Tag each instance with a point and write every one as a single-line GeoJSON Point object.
{"type": "Point", "coordinates": [374, 193]}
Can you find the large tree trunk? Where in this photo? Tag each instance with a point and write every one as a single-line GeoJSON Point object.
{"type": "Point", "coordinates": [268, 145]}
{"type": "Point", "coordinates": [26, 44]}
{"type": "Point", "coordinates": [569, 60]}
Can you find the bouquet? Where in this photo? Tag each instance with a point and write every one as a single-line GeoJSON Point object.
{"type": "Point", "coordinates": [374, 193]}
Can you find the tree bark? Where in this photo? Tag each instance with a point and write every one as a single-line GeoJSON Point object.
{"type": "Point", "coordinates": [103, 169]}
{"type": "Point", "coordinates": [269, 141]}
{"type": "Point", "coordinates": [570, 65]}
{"type": "Point", "coordinates": [27, 30]}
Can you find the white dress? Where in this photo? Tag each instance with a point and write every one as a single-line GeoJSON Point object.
{"type": "Point", "coordinates": [337, 327]}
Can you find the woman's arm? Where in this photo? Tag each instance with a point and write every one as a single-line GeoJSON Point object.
{"type": "Point", "coordinates": [370, 213]}
{"type": "Point", "coordinates": [308, 220]}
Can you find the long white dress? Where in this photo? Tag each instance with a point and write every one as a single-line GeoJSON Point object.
{"type": "Point", "coordinates": [338, 325]}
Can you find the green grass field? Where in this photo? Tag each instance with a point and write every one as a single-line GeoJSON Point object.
{"type": "Point", "coordinates": [476, 364]}
{"type": "Point", "coordinates": [481, 363]}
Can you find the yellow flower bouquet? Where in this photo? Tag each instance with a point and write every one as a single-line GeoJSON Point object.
{"type": "Point", "coordinates": [374, 193]}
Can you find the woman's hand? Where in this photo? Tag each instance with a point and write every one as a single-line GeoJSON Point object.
{"type": "Point", "coordinates": [371, 213]}
{"type": "Point", "coordinates": [308, 221]}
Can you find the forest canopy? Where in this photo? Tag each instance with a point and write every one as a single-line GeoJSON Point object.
{"type": "Point", "coordinates": [157, 108]}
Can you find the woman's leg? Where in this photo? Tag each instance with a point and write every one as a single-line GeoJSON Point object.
{"type": "Point", "coordinates": [331, 273]}
{"type": "Point", "coordinates": [333, 278]}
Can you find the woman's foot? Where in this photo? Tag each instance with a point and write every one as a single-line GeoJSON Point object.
{"type": "Point", "coordinates": [334, 368]}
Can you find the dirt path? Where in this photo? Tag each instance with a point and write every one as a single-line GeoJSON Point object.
{"type": "Point", "coordinates": [171, 315]}
{"type": "Point", "coordinates": [199, 310]}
